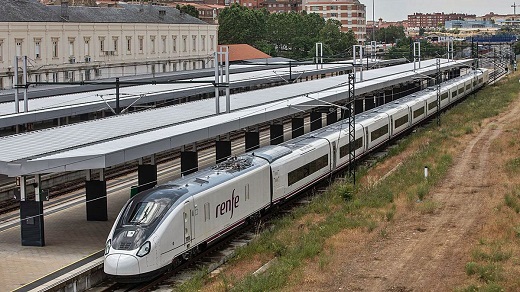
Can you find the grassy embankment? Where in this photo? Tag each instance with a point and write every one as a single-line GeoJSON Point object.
{"type": "Point", "coordinates": [301, 237]}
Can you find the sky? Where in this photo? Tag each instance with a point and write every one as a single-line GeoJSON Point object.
{"type": "Point", "coordinates": [393, 10]}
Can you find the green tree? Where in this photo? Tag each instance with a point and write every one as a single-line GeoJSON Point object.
{"type": "Point", "coordinates": [188, 9]}
{"type": "Point", "coordinates": [390, 34]}
{"type": "Point", "coordinates": [240, 25]}
{"type": "Point", "coordinates": [292, 34]}
{"type": "Point", "coordinates": [336, 43]}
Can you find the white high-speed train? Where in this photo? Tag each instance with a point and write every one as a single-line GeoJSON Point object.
{"type": "Point", "coordinates": [164, 225]}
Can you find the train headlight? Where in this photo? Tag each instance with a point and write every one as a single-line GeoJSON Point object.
{"type": "Point", "coordinates": [107, 247]}
{"type": "Point", "coordinates": [145, 249]}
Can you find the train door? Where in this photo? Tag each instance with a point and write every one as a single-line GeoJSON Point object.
{"type": "Point", "coordinates": [278, 187]}
{"type": "Point", "coordinates": [392, 125]}
{"type": "Point", "coordinates": [334, 154]}
{"type": "Point", "coordinates": [188, 226]}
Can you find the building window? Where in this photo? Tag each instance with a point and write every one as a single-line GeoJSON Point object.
{"type": "Point", "coordinates": [55, 47]}
{"type": "Point", "coordinates": [87, 46]}
{"type": "Point", "coordinates": [129, 45]}
{"type": "Point", "coordinates": [211, 40]}
{"type": "Point", "coordinates": [1, 52]}
{"type": "Point", "coordinates": [102, 44]}
{"type": "Point", "coordinates": [163, 40]}
{"type": "Point", "coordinates": [116, 47]}
{"type": "Point", "coordinates": [71, 46]}
{"type": "Point", "coordinates": [194, 43]}
{"type": "Point", "coordinates": [184, 43]}
{"type": "Point", "coordinates": [141, 44]}
{"type": "Point", "coordinates": [152, 41]}
{"type": "Point", "coordinates": [174, 45]}
{"type": "Point", "coordinates": [203, 43]}
{"type": "Point", "coordinates": [37, 48]}
{"type": "Point", "coordinates": [18, 43]}
{"type": "Point", "coordinates": [55, 77]}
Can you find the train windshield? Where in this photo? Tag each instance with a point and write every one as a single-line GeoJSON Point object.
{"type": "Point", "coordinates": [144, 213]}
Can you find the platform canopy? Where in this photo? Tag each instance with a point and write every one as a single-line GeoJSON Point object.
{"type": "Point", "coordinates": [119, 139]}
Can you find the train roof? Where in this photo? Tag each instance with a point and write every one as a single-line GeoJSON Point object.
{"type": "Point", "coordinates": [272, 153]}
{"type": "Point", "coordinates": [202, 180]}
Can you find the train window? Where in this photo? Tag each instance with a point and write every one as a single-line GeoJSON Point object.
{"type": "Point", "coordinates": [418, 112]}
{"type": "Point", "coordinates": [468, 87]}
{"type": "Point", "coordinates": [445, 95]}
{"type": "Point", "coordinates": [480, 80]}
{"type": "Point", "coordinates": [307, 169]}
{"type": "Point", "coordinates": [461, 90]}
{"type": "Point", "coordinates": [144, 213]}
{"type": "Point", "coordinates": [379, 133]}
{"type": "Point", "coordinates": [343, 150]}
{"type": "Point", "coordinates": [454, 94]}
{"type": "Point", "coordinates": [474, 83]}
{"type": "Point", "coordinates": [433, 104]}
{"type": "Point", "coordinates": [401, 121]}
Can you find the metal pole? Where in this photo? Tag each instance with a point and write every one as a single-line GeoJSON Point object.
{"type": "Point", "coordinates": [494, 65]}
{"type": "Point", "coordinates": [438, 63]}
{"type": "Point", "coordinates": [217, 93]}
{"type": "Point", "coordinates": [118, 110]}
{"type": "Point", "coordinates": [228, 98]}
{"type": "Point", "coordinates": [373, 20]}
{"type": "Point", "coordinates": [352, 126]}
{"type": "Point", "coordinates": [37, 187]}
{"type": "Point", "coordinates": [15, 85]}
{"type": "Point", "coordinates": [23, 188]}
{"type": "Point", "coordinates": [319, 55]}
{"type": "Point", "coordinates": [290, 72]}
{"type": "Point", "coordinates": [25, 100]}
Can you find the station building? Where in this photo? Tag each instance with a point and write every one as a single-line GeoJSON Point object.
{"type": "Point", "coordinates": [75, 43]}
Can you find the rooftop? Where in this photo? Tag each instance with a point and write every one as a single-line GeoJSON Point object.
{"type": "Point", "coordinates": [34, 11]}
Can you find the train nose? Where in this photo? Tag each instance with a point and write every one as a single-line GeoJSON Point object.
{"type": "Point", "coordinates": [121, 264]}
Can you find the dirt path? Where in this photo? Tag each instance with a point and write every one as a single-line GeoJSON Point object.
{"type": "Point", "coordinates": [425, 252]}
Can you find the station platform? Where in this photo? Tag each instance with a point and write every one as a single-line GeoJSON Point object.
{"type": "Point", "coordinates": [69, 239]}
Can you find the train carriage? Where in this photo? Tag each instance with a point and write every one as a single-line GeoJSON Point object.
{"type": "Point", "coordinates": [309, 161]}
{"type": "Point", "coordinates": [376, 126]}
{"type": "Point", "coordinates": [169, 222]}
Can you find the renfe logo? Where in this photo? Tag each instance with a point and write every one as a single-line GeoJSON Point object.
{"type": "Point", "coordinates": [228, 205]}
